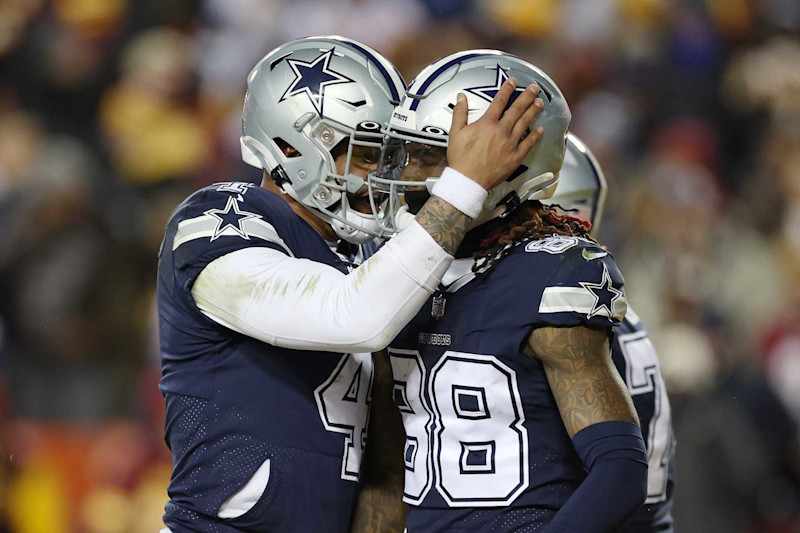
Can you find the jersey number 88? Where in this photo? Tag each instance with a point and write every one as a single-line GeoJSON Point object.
{"type": "Point", "coordinates": [464, 428]}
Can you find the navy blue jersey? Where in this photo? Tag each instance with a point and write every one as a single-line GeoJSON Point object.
{"type": "Point", "coordinates": [486, 449]}
{"type": "Point", "coordinates": [637, 363]}
{"type": "Point", "coordinates": [236, 405]}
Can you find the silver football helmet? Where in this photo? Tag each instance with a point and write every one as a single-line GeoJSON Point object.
{"type": "Point", "coordinates": [416, 148]}
{"type": "Point", "coordinates": [311, 94]}
{"type": "Point", "coordinates": [582, 187]}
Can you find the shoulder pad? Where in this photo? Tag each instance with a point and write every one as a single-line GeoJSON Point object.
{"type": "Point", "coordinates": [218, 220]}
{"type": "Point", "coordinates": [579, 281]}
{"type": "Point", "coordinates": [237, 210]}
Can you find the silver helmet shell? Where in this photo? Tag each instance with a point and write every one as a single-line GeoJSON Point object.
{"type": "Point", "coordinates": [311, 94]}
{"type": "Point", "coordinates": [425, 114]}
{"type": "Point", "coordinates": [582, 187]}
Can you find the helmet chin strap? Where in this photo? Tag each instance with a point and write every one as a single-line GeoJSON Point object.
{"type": "Point", "coordinates": [351, 233]}
{"type": "Point", "coordinates": [538, 188]}
{"type": "Point", "coordinates": [532, 189]}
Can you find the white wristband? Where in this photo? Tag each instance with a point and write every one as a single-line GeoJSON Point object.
{"type": "Point", "coordinates": [461, 192]}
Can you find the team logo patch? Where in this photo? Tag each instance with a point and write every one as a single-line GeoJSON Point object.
{"type": "Point", "coordinates": [488, 92]}
{"type": "Point", "coordinates": [230, 218]}
{"type": "Point", "coordinates": [313, 78]}
{"type": "Point", "coordinates": [604, 295]}
{"type": "Point", "coordinates": [552, 245]}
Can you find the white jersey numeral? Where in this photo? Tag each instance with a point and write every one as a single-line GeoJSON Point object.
{"type": "Point", "coordinates": [343, 404]}
{"type": "Point", "coordinates": [409, 379]}
{"type": "Point", "coordinates": [643, 376]}
{"type": "Point", "coordinates": [471, 433]}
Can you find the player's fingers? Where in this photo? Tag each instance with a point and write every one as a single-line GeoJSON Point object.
{"type": "Point", "coordinates": [500, 100]}
{"type": "Point", "coordinates": [459, 114]}
{"type": "Point", "coordinates": [521, 105]}
{"type": "Point", "coordinates": [525, 120]}
{"type": "Point", "coordinates": [529, 142]}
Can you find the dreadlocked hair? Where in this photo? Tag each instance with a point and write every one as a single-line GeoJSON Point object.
{"type": "Point", "coordinates": [531, 220]}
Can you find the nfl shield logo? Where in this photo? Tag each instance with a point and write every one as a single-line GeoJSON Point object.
{"type": "Point", "coordinates": [437, 311]}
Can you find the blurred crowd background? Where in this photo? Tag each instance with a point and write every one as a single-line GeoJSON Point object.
{"type": "Point", "coordinates": [112, 111]}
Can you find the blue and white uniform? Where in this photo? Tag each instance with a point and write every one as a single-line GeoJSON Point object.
{"type": "Point", "coordinates": [637, 362]}
{"type": "Point", "coordinates": [486, 447]}
{"type": "Point", "coordinates": [266, 370]}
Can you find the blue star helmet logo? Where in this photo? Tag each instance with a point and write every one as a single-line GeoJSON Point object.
{"type": "Point", "coordinates": [604, 293]}
{"type": "Point", "coordinates": [488, 92]}
{"type": "Point", "coordinates": [312, 79]}
{"type": "Point", "coordinates": [230, 217]}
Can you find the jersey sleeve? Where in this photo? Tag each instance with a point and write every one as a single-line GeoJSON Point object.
{"type": "Point", "coordinates": [221, 219]}
{"type": "Point", "coordinates": [308, 305]}
{"type": "Point", "coordinates": [585, 288]}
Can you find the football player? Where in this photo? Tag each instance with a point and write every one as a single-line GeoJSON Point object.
{"type": "Point", "coordinates": [265, 331]}
{"type": "Point", "coordinates": [581, 193]}
{"type": "Point", "coordinates": [515, 417]}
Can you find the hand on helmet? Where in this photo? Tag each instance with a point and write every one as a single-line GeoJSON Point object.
{"type": "Point", "coordinates": [491, 148]}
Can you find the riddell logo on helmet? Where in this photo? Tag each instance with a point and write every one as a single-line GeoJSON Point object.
{"type": "Point", "coordinates": [406, 118]}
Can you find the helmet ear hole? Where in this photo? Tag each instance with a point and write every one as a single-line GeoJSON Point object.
{"type": "Point", "coordinates": [340, 148]}
{"type": "Point", "coordinates": [288, 150]}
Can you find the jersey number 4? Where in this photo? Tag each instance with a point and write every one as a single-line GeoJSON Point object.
{"type": "Point", "coordinates": [441, 407]}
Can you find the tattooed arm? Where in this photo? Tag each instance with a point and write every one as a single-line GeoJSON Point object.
{"type": "Point", "coordinates": [380, 507]}
{"type": "Point", "coordinates": [598, 414]}
{"type": "Point", "coordinates": [446, 224]}
{"type": "Point", "coordinates": [585, 383]}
